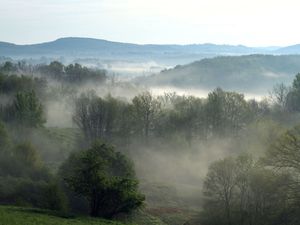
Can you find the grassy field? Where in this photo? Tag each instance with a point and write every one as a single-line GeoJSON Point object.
{"type": "Point", "coordinates": [22, 216]}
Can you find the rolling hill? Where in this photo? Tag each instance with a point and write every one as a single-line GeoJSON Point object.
{"type": "Point", "coordinates": [250, 73]}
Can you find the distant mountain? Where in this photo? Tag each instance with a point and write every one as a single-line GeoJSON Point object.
{"type": "Point", "coordinates": [64, 47]}
{"type": "Point", "coordinates": [74, 48]}
{"type": "Point", "coordinates": [293, 49]}
{"type": "Point", "coordinates": [251, 73]}
{"type": "Point", "coordinates": [97, 48]}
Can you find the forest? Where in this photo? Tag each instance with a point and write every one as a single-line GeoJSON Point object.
{"type": "Point", "coordinates": [76, 141]}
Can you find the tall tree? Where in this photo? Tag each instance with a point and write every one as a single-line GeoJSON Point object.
{"type": "Point", "coordinates": [293, 97]}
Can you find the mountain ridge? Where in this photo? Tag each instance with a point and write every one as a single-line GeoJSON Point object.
{"type": "Point", "coordinates": [88, 42]}
{"type": "Point", "coordinates": [105, 40]}
{"type": "Point", "coordinates": [72, 48]}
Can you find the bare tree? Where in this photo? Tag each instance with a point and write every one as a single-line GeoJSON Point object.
{"type": "Point", "coordinates": [278, 96]}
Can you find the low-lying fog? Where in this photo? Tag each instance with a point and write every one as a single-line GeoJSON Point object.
{"type": "Point", "coordinates": [201, 93]}
{"type": "Point", "coordinates": [63, 109]}
{"type": "Point", "coordinates": [183, 170]}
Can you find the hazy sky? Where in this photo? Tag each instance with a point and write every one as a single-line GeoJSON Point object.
{"type": "Point", "coordinates": [249, 22]}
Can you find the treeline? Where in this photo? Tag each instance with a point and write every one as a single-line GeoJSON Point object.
{"type": "Point", "coordinates": [12, 84]}
{"type": "Point", "coordinates": [147, 117]}
{"type": "Point", "coordinates": [72, 73]}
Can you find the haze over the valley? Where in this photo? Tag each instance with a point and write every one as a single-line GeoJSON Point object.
{"type": "Point", "coordinates": [161, 112]}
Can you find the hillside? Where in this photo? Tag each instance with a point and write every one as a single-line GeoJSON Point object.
{"type": "Point", "coordinates": [20, 216]}
{"type": "Point", "coordinates": [252, 73]}
{"type": "Point", "coordinates": [11, 215]}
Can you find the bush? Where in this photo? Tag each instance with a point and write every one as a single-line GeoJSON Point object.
{"type": "Point", "coordinates": [26, 192]}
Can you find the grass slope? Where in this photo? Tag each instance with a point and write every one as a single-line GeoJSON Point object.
{"type": "Point", "coordinates": [21, 216]}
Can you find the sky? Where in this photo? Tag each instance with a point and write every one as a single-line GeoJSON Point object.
{"type": "Point", "coordinates": [247, 22]}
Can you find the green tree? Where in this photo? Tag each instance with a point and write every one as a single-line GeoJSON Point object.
{"type": "Point", "coordinates": [187, 118]}
{"type": "Point", "coordinates": [226, 112]}
{"type": "Point", "coordinates": [78, 74]}
{"type": "Point", "coordinates": [56, 68]}
{"type": "Point", "coordinates": [4, 138]}
{"type": "Point", "coordinates": [8, 67]}
{"type": "Point", "coordinates": [26, 110]}
{"type": "Point", "coordinates": [214, 112]}
{"type": "Point", "coordinates": [284, 153]}
{"type": "Point", "coordinates": [105, 178]}
{"type": "Point", "coordinates": [293, 97]}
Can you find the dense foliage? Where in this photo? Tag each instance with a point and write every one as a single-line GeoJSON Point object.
{"type": "Point", "coordinates": [73, 73]}
{"type": "Point", "coordinates": [105, 177]}
{"type": "Point", "coordinates": [24, 178]}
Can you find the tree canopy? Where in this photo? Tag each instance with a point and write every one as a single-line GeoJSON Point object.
{"type": "Point", "coordinates": [105, 177]}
